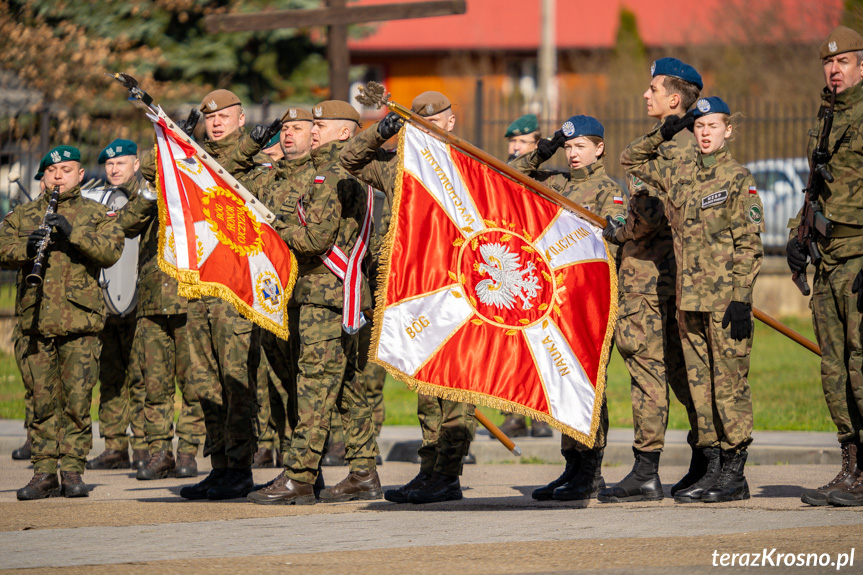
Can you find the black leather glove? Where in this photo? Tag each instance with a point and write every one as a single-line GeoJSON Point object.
{"type": "Point", "coordinates": [855, 288]}
{"type": "Point", "coordinates": [546, 148]}
{"type": "Point", "coordinates": [796, 258]}
{"type": "Point", "coordinates": [739, 315]}
{"type": "Point", "coordinates": [262, 134]}
{"type": "Point", "coordinates": [610, 230]}
{"type": "Point", "coordinates": [33, 241]}
{"type": "Point", "coordinates": [188, 126]}
{"type": "Point", "coordinates": [674, 124]}
{"type": "Point", "coordinates": [390, 125]}
{"type": "Point", "coordinates": [59, 223]}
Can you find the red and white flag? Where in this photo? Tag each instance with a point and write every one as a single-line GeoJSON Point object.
{"type": "Point", "coordinates": [212, 236]}
{"type": "Point", "coordinates": [493, 295]}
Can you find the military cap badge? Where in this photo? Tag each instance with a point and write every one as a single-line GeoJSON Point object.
{"type": "Point", "coordinates": [832, 46]}
{"type": "Point", "coordinates": [703, 105]}
{"type": "Point", "coordinates": [568, 129]}
{"type": "Point", "coordinates": [319, 111]}
{"type": "Point", "coordinates": [55, 157]}
{"type": "Point", "coordinates": [212, 104]}
{"type": "Point", "coordinates": [292, 114]}
{"type": "Point", "coordinates": [110, 152]}
{"type": "Point", "coordinates": [429, 109]}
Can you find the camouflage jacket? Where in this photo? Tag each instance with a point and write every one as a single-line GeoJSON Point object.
{"type": "Point", "coordinates": [590, 187]}
{"type": "Point", "coordinates": [334, 208]}
{"type": "Point", "coordinates": [647, 255]}
{"type": "Point", "coordinates": [716, 217]}
{"type": "Point", "coordinates": [843, 201]}
{"type": "Point", "coordinates": [157, 291]}
{"type": "Point", "coordinates": [369, 163]}
{"type": "Point", "coordinates": [69, 300]}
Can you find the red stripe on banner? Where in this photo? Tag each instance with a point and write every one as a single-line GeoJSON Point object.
{"type": "Point", "coordinates": [508, 202]}
{"type": "Point", "coordinates": [587, 297]}
{"type": "Point", "coordinates": [498, 365]}
{"type": "Point", "coordinates": [188, 149]}
{"type": "Point", "coordinates": [424, 243]}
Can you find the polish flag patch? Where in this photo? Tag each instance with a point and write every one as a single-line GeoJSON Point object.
{"type": "Point", "coordinates": [111, 214]}
{"type": "Point", "coordinates": [619, 200]}
{"type": "Point", "coordinates": [753, 190]}
{"type": "Point", "coordinates": [320, 179]}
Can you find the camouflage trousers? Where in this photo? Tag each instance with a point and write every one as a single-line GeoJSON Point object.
{"type": "Point", "coordinates": [20, 343]}
{"type": "Point", "coordinates": [371, 378]}
{"type": "Point", "coordinates": [162, 349]}
{"type": "Point", "coordinates": [448, 428]}
{"type": "Point", "coordinates": [327, 381]}
{"type": "Point", "coordinates": [567, 443]}
{"type": "Point", "coordinates": [717, 367]}
{"type": "Point", "coordinates": [64, 371]}
{"type": "Point", "coordinates": [121, 387]}
{"type": "Point", "coordinates": [277, 389]}
{"type": "Point", "coordinates": [224, 356]}
{"type": "Point", "coordinates": [838, 329]}
{"type": "Point", "coordinates": [648, 338]}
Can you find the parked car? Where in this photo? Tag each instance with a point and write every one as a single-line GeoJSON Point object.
{"type": "Point", "coordinates": [780, 183]}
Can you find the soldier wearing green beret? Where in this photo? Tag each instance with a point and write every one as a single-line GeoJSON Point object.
{"type": "Point", "coordinates": [62, 316]}
{"type": "Point", "coordinates": [837, 294]}
{"type": "Point", "coordinates": [522, 136]}
{"type": "Point", "coordinates": [328, 215]}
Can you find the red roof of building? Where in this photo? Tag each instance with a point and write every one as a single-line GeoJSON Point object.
{"type": "Point", "coordinates": [592, 24]}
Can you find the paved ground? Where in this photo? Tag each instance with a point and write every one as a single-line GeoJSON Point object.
{"type": "Point", "coordinates": [131, 526]}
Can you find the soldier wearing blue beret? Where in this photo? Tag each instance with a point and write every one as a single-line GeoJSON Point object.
{"type": "Point", "coordinates": [647, 335]}
{"type": "Point", "coordinates": [587, 184]}
{"type": "Point", "coordinates": [522, 136]}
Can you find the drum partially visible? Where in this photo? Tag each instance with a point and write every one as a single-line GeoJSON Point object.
{"type": "Point", "coordinates": [120, 281]}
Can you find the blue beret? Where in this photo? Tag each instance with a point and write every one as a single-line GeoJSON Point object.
{"type": "Point", "coordinates": [58, 155]}
{"type": "Point", "coordinates": [676, 68]}
{"type": "Point", "coordinates": [711, 105]}
{"type": "Point", "coordinates": [118, 148]}
{"type": "Point", "coordinates": [273, 141]}
{"type": "Point", "coordinates": [527, 124]}
{"type": "Point", "coordinates": [582, 126]}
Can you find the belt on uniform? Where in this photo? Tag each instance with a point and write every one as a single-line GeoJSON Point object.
{"type": "Point", "coordinates": [845, 231]}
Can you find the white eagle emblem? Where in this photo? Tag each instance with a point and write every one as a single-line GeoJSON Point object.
{"type": "Point", "coordinates": [429, 109]}
{"type": "Point", "coordinates": [55, 157]}
{"type": "Point", "coordinates": [319, 111]}
{"type": "Point", "coordinates": [212, 105]}
{"type": "Point", "coordinates": [832, 46]}
{"type": "Point", "coordinates": [110, 152]}
{"type": "Point", "coordinates": [292, 113]}
{"type": "Point", "coordinates": [507, 282]}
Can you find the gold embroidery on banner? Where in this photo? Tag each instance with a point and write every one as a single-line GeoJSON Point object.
{"type": "Point", "coordinates": [232, 218]}
{"type": "Point", "coordinates": [191, 166]}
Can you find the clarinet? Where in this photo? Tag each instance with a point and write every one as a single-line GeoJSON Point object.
{"type": "Point", "coordinates": [34, 278]}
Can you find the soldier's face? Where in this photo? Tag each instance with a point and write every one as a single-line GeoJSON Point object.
{"type": "Point", "coordinates": [120, 170]}
{"type": "Point", "coordinates": [657, 98]}
{"type": "Point", "coordinates": [444, 120]}
{"type": "Point", "coordinates": [711, 131]}
{"type": "Point", "coordinates": [842, 71]}
{"type": "Point", "coordinates": [296, 139]}
{"type": "Point", "coordinates": [521, 145]}
{"type": "Point", "coordinates": [67, 175]}
{"type": "Point", "coordinates": [581, 152]}
{"type": "Point", "coordinates": [224, 122]}
{"type": "Point", "coordinates": [325, 131]}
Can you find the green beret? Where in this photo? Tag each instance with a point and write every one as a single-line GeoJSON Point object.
{"type": "Point", "coordinates": [273, 141]}
{"type": "Point", "coordinates": [118, 148]}
{"type": "Point", "coordinates": [527, 124]}
{"type": "Point", "coordinates": [58, 155]}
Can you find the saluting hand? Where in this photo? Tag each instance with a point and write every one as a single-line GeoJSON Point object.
{"type": "Point", "coordinates": [546, 148]}
{"type": "Point", "coordinates": [261, 134]}
{"type": "Point", "coordinates": [674, 124]}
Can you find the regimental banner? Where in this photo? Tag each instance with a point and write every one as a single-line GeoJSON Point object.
{"type": "Point", "coordinates": [215, 242]}
{"type": "Point", "coordinates": [493, 295]}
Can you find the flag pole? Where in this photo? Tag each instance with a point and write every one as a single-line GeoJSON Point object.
{"type": "Point", "coordinates": [374, 94]}
{"type": "Point", "coordinates": [496, 432]}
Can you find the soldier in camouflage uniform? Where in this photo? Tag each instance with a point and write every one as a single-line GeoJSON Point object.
{"type": "Point", "coordinates": [62, 317]}
{"type": "Point", "coordinates": [121, 388]}
{"type": "Point", "coordinates": [588, 185]}
{"type": "Point", "coordinates": [447, 426]}
{"type": "Point", "coordinates": [224, 349]}
{"type": "Point", "coordinates": [716, 217]}
{"type": "Point", "coordinates": [329, 214]}
{"type": "Point", "coordinates": [647, 335]}
{"type": "Point", "coordinates": [837, 294]}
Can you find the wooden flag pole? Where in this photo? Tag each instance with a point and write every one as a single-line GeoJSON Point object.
{"type": "Point", "coordinates": [495, 431]}
{"type": "Point", "coordinates": [375, 94]}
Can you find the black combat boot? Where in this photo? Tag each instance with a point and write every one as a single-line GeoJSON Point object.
{"type": "Point", "coordinates": [697, 469]}
{"type": "Point", "coordinates": [852, 495]}
{"type": "Point", "coordinates": [400, 495]}
{"type": "Point", "coordinates": [847, 476]}
{"type": "Point", "coordinates": [731, 485]}
{"type": "Point", "coordinates": [200, 489]}
{"type": "Point", "coordinates": [110, 459]}
{"type": "Point", "coordinates": [711, 475]}
{"type": "Point", "coordinates": [586, 483]}
{"type": "Point", "coordinates": [573, 461]}
{"type": "Point", "coordinates": [73, 485]}
{"type": "Point", "coordinates": [41, 485]}
{"type": "Point", "coordinates": [160, 466]}
{"type": "Point", "coordinates": [24, 452]}
{"type": "Point", "coordinates": [236, 483]}
{"type": "Point", "coordinates": [186, 465]}
{"type": "Point", "coordinates": [440, 487]}
{"type": "Point", "coordinates": [642, 483]}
